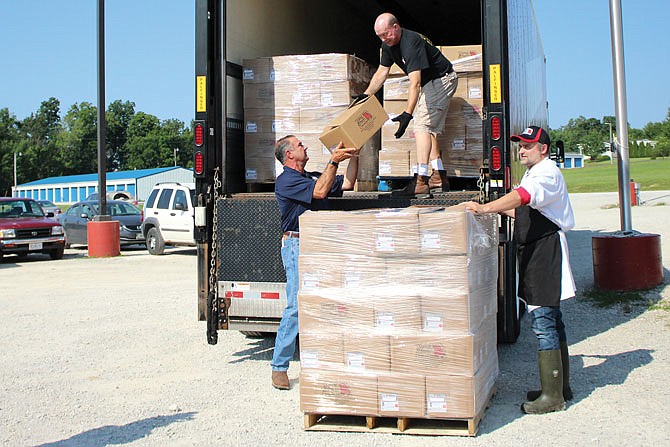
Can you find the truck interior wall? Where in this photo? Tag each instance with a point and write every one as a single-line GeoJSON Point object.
{"type": "Point", "coordinates": [256, 28]}
{"type": "Point", "coordinates": [527, 74]}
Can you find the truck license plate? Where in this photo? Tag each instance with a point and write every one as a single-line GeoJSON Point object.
{"type": "Point", "coordinates": [34, 246]}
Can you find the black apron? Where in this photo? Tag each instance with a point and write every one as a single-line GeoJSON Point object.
{"type": "Point", "coordinates": [539, 257]}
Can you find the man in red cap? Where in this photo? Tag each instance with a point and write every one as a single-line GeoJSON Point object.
{"type": "Point", "coordinates": [543, 213]}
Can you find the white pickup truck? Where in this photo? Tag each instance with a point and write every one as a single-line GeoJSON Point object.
{"type": "Point", "coordinates": [168, 216]}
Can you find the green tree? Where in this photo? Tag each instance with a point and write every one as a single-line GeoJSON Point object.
{"type": "Point", "coordinates": [40, 135]}
{"type": "Point", "coordinates": [118, 118]}
{"type": "Point", "coordinates": [80, 144]}
{"type": "Point", "coordinates": [9, 138]}
{"type": "Point", "coordinates": [144, 141]}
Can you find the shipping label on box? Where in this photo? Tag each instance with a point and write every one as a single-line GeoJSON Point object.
{"type": "Point", "coordinates": [356, 125]}
{"type": "Point", "coordinates": [366, 351]}
{"type": "Point", "coordinates": [401, 395]}
{"type": "Point", "coordinates": [319, 350]}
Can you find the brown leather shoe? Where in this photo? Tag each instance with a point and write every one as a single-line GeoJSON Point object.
{"type": "Point", "coordinates": [439, 181]}
{"type": "Point", "coordinates": [280, 380]}
{"type": "Point", "coordinates": [417, 186]}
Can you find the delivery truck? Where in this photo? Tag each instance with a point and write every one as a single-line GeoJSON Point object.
{"type": "Point", "coordinates": [241, 280]}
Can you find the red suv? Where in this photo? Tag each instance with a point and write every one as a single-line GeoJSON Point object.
{"type": "Point", "coordinates": [24, 229]}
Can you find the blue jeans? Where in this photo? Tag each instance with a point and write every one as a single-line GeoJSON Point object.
{"type": "Point", "coordinates": [548, 327]}
{"type": "Point", "coordinates": [288, 327]}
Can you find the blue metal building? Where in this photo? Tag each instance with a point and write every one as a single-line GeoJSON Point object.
{"type": "Point", "coordinates": [73, 188]}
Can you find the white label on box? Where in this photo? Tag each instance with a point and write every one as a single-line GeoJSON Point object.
{"type": "Point", "coordinates": [458, 143]}
{"type": "Point", "coordinates": [385, 168]}
{"type": "Point", "coordinates": [310, 281]}
{"type": "Point", "coordinates": [433, 323]}
{"type": "Point", "coordinates": [389, 402]}
{"type": "Point", "coordinates": [248, 74]}
{"type": "Point", "coordinates": [437, 403]}
{"type": "Point", "coordinates": [474, 92]}
{"type": "Point", "coordinates": [385, 242]}
{"type": "Point", "coordinates": [309, 359]}
{"type": "Point", "coordinates": [327, 99]}
{"type": "Point", "coordinates": [430, 240]}
{"type": "Point", "coordinates": [352, 280]}
{"type": "Point", "coordinates": [251, 174]}
{"type": "Point", "coordinates": [385, 320]}
{"type": "Point", "coordinates": [355, 360]}
{"type": "Point", "coordinates": [251, 127]}
{"type": "Point", "coordinates": [273, 75]}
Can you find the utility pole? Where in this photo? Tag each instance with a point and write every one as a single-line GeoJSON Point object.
{"type": "Point", "coordinates": [174, 152]}
{"type": "Point", "coordinates": [15, 183]}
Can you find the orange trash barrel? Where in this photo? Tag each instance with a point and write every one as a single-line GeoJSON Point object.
{"type": "Point", "coordinates": [627, 262]}
{"type": "Point", "coordinates": [103, 239]}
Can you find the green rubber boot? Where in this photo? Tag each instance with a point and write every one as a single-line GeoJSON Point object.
{"type": "Point", "coordinates": [565, 361]}
{"type": "Point", "coordinates": [551, 380]}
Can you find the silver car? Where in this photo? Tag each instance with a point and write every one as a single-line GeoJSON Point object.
{"type": "Point", "coordinates": [49, 207]}
{"type": "Point", "coordinates": [75, 221]}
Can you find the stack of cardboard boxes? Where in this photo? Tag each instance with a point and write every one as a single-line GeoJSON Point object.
{"type": "Point", "coordinates": [300, 95]}
{"type": "Point", "coordinates": [461, 142]}
{"type": "Point", "coordinates": [397, 312]}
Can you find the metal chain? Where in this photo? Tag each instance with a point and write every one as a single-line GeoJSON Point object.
{"type": "Point", "coordinates": [212, 262]}
{"type": "Point", "coordinates": [481, 184]}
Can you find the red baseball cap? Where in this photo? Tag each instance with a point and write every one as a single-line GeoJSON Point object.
{"type": "Point", "coordinates": [533, 134]}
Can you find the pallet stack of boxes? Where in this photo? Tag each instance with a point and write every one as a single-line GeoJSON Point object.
{"type": "Point", "coordinates": [461, 142]}
{"type": "Point", "coordinates": [397, 312]}
{"type": "Point", "coordinates": [300, 95]}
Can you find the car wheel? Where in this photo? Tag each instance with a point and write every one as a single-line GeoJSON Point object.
{"type": "Point", "coordinates": [155, 243]}
{"type": "Point", "coordinates": [57, 253]}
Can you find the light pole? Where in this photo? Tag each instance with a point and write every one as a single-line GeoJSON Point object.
{"type": "Point", "coordinates": [174, 153]}
{"type": "Point", "coordinates": [611, 144]}
{"type": "Point", "coordinates": [20, 154]}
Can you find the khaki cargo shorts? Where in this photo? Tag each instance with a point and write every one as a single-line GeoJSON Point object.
{"type": "Point", "coordinates": [433, 104]}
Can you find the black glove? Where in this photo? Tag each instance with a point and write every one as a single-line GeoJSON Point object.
{"type": "Point", "coordinates": [358, 98]}
{"type": "Point", "coordinates": [404, 118]}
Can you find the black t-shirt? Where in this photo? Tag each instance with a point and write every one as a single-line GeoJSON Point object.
{"type": "Point", "coordinates": [415, 52]}
{"type": "Point", "coordinates": [294, 190]}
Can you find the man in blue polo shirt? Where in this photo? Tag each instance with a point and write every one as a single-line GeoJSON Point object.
{"type": "Point", "coordinates": [298, 191]}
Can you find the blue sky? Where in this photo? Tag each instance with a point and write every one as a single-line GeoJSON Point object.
{"type": "Point", "coordinates": [48, 48]}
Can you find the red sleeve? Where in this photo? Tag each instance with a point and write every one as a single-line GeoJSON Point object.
{"type": "Point", "coordinates": [525, 196]}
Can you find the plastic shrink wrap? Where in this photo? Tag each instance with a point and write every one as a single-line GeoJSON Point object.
{"type": "Point", "coordinates": [397, 312]}
{"type": "Point", "coordinates": [300, 95]}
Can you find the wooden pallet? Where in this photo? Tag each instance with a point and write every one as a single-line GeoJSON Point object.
{"type": "Point", "coordinates": [408, 426]}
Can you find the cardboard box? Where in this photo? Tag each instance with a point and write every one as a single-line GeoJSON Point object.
{"type": "Point", "coordinates": [366, 352]}
{"type": "Point", "coordinates": [396, 88]}
{"type": "Point", "coordinates": [333, 312]}
{"type": "Point", "coordinates": [434, 354]}
{"type": "Point", "coordinates": [452, 396]}
{"type": "Point", "coordinates": [465, 58]}
{"type": "Point", "coordinates": [380, 233]}
{"type": "Point", "coordinates": [401, 395]}
{"type": "Point", "coordinates": [314, 119]}
{"type": "Point", "coordinates": [319, 271]}
{"type": "Point", "coordinates": [325, 392]}
{"type": "Point", "coordinates": [339, 93]}
{"type": "Point", "coordinates": [394, 162]}
{"type": "Point", "coordinates": [453, 310]}
{"type": "Point", "coordinates": [257, 70]}
{"type": "Point", "coordinates": [281, 121]}
{"type": "Point", "coordinates": [321, 351]}
{"type": "Point", "coordinates": [396, 313]}
{"type": "Point", "coordinates": [356, 125]}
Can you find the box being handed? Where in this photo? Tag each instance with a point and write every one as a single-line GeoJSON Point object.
{"type": "Point", "coordinates": [356, 125]}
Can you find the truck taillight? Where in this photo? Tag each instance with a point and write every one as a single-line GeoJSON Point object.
{"type": "Point", "coordinates": [199, 163]}
{"type": "Point", "coordinates": [199, 132]}
{"type": "Point", "coordinates": [496, 158]}
{"type": "Point", "coordinates": [200, 151]}
{"type": "Point", "coordinates": [495, 127]}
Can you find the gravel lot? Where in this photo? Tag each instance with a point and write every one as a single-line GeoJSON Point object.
{"type": "Point", "coordinates": [99, 352]}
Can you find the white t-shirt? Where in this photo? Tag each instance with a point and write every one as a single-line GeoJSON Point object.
{"type": "Point", "coordinates": [549, 195]}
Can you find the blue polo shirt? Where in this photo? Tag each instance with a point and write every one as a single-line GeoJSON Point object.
{"type": "Point", "coordinates": [294, 191]}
